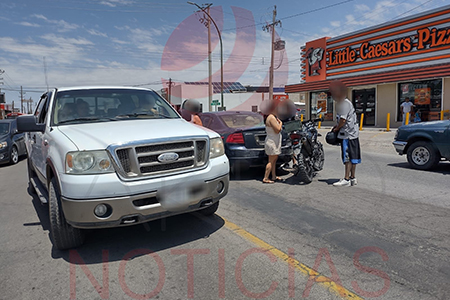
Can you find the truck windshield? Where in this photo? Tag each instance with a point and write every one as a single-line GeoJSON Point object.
{"type": "Point", "coordinates": [103, 105]}
{"type": "Point", "coordinates": [4, 128]}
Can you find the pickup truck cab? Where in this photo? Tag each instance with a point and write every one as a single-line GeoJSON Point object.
{"type": "Point", "coordinates": [115, 156]}
{"type": "Point", "coordinates": [425, 144]}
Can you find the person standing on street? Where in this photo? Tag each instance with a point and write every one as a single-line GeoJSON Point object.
{"type": "Point", "coordinates": [406, 108]}
{"type": "Point", "coordinates": [348, 132]}
{"type": "Point", "coordinates": [272, 145]}
{"type": "Point", "coordinates": [190, 110]}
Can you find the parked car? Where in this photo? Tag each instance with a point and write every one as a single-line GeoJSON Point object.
{"type": "Point", "coordinates": [244, 134]}
{"type": "Point", "coordinates": [12, 143]}
{"type": "Point", "coordinates": [114, 156]}
{"type": "Point", "coordinates": [425, 144]}
{"type": "Point", "coordinates": [13, 115]}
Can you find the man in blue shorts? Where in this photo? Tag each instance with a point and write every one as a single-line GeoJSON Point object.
{"type": "Point", "coordinates": [348, 132]}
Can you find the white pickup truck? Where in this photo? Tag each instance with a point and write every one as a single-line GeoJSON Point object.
{"type": "Point", "coordinates": [114, 156]}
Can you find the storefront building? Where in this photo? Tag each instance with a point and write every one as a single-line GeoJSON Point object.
{"type": "Point", "coordinates": [381, 66]}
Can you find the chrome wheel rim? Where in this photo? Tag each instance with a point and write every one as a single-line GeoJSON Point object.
{"type": "Point", "coordinates": [14, 155]}
{"type": "Point", "coordinates": [420, 156]}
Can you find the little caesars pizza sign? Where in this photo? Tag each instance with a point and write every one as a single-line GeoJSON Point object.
{"type": "Point", "coordinates": [425, 38]}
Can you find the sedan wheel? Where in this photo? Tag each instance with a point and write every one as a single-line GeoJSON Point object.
{"type": "Point", "coordinates": [14, 155]}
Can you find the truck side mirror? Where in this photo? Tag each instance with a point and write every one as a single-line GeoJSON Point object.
{"type": "Point", "coordinates": [29, 124]}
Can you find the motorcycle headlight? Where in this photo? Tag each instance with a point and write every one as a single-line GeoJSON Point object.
{"type": "Point", "coordinates": [88, 162]}
{"type": "Point", "coordinates": [216, 148]}
{"type": "Point", "coordinates": [3, 145]}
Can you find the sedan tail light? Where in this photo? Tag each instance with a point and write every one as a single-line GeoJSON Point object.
{"type": "Point", "coordinates": [235, 138]}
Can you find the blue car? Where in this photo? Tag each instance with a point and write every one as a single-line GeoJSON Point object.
{"type": "Point", "coordinates": [12, 143]}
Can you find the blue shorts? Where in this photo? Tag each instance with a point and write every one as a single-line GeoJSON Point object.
{"type": "Point", "coordinates": [351, 151]}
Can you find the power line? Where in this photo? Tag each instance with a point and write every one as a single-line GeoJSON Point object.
{"type": "Point", "coordinates": [411, 9]}
{"type": "Point", "coordinates": [296, 15]}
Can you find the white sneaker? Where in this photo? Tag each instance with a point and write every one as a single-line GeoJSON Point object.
{"type": "Point", "coordinates": [354, 181]}
{"type": "Point", "coordinates": [343, 182]}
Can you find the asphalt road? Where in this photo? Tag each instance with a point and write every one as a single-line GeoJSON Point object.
{"type": "Point", "coordinates": [386, 238]}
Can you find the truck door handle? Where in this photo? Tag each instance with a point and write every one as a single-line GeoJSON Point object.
{"type": "Point", "coordinates": [45, 142]}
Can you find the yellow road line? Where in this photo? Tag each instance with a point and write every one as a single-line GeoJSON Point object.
{"type": "Point", "coordinates": [317, 277]}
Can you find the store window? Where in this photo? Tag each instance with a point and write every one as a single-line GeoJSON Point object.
{"type": "Point", "coordinates": [324, 101]}
{"type": "Point", "coordinates": [426, 97]}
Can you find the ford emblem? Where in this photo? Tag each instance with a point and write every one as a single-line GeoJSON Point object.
{"type": "Point", "coordinates": [168, 157]}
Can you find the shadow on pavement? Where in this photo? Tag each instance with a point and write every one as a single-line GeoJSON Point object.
{"type": "Point", "coordinates": [9, 165]}
{"type": "Point", "coordinates": [41, 211]}
{"type": "Point", "coordinates": [154, 236]}
{"type": "Point", "coordinates": [329, 181]}
{"type": "Point", "coordinates": [442, 168]}
{"type": "Point", "coordinates": [256, 173]}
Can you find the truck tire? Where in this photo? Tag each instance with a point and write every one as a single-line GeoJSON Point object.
{"type": "Point", "coordinates": [304, 172]}
{"type": "Point", "coordinates": [210, 210]}
{"type": "Point", "coordinates": [423, 155]}
{"type": "Point", "coordinates": [64, 236]}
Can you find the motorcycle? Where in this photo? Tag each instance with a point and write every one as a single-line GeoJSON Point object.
{"type": "Point", "coordinates": [308, 155]}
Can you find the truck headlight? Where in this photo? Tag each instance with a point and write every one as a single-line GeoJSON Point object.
{"type": "Point", "coordinates": [216, 147]}
{"type": "Point", "coordinates": [3, 145]}
{"type": "Point", "coordinates": [88, 162]}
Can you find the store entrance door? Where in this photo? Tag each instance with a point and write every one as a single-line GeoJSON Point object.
{"type": "Point", "coordinates": [364, 102]}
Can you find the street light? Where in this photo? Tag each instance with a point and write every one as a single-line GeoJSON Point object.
{"type": "Point", "coordinates": [221, 49]}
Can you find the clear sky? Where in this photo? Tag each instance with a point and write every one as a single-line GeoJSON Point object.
{"type": "Point", "coordinates": [143, 42]}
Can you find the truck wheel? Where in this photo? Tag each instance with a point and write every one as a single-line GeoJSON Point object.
{"type": "Point", "coordinates": [423, 155]}
{"type": "Point", "coordinates": [14, 155]}
{"type": "Point", "coordinates": [64, 236]}
{"type": "Point", "coordinates": [210, 210]}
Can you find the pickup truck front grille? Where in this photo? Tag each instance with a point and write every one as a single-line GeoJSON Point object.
{"type": "Point", "coordinates": [145, 160]}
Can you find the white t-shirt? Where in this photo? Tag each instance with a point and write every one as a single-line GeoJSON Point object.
{"type": "Point", "coordinates": [345, 110]}
{"type": "Point", "coordinates": [406, 107]}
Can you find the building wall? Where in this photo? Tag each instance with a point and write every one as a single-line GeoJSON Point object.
{"type": "Point", "coordinates": [446, 100]}
{"type": "Point", "coordinates": [386, 102]}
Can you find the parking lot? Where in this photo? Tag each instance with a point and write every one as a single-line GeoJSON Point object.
{"type": "Point", "coordinates": [386, 238]}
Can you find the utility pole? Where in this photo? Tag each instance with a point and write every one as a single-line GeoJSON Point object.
{"type": "Point", "coordinates": [1, 78]}
{"type": "Point", "coordinates": [211, 20]}
{"type": "Point", "coordinates": [169, 96]}
{"type": "Point", "coordinates": [210, 86]}
{"type": "Point", "coordinates": [21, 99]}
{"type": "Point", "coordinates": [271, 28]}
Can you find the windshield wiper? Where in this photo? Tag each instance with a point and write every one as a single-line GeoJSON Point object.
{"type": "Point", "coordinates": [144, 114]}
{"type": "Point", "coordinates": [86, 119]}
{"type": "Point", "coordinates": [135, 115]}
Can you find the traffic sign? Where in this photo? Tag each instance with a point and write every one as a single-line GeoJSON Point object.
{"type": "Point", "coordinates": [215, 102]}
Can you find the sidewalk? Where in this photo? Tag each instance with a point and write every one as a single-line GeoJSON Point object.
{"type": "Point", "coordinates": [373, 140]}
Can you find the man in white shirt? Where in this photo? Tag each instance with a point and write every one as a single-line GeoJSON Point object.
{"type": "Point", "coordinates": [348, 132]}
{"type": "Point", "coordinates": [406, 109]}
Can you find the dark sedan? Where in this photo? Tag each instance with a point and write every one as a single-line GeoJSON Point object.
{"type": "Point", "coordinates": [12, 143]}
{"type": "Point", "coordinates": [243, 134]}
{"type": "Point", "coordinates": [425, 144]}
